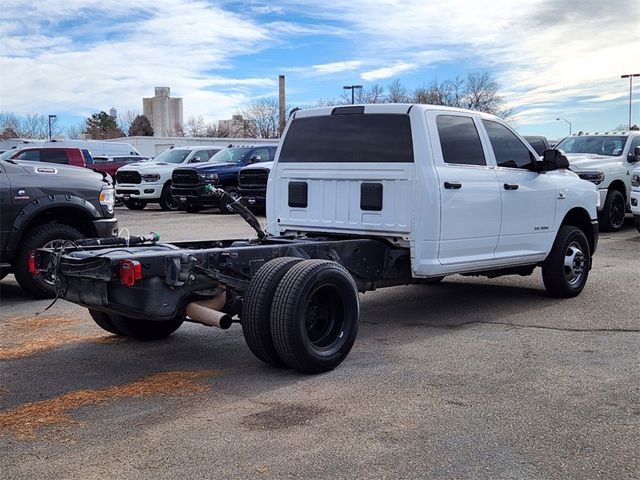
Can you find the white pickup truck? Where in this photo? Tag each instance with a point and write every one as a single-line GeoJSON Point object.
{"type": "Point", "coordinates": [138, 184]}
{"type": "Point", "coordinates": [606, 160]}
{"type": "Point", "coordinates": [359, 198]}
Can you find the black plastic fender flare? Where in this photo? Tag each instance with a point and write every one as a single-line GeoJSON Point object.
{"type": "Point", "coordinates": [39, 205]}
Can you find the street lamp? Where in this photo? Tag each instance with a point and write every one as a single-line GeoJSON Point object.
{"type": "Point", "coordinates": [564, 119]}
{"type": "Point", "coordinates": [630, 77]}
{"type": "Point", "coordinates": [50, 117]}
{"type": "Point", "coordinates": [352, 88]}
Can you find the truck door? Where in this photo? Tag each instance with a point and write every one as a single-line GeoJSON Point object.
{"type": "Point", "coordinates": [528, 198]}
{"type": "Point", "coordinates": [469, 191]}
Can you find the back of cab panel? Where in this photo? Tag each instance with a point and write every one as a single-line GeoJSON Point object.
{"type": "Point", "coordinates": [341, 170]}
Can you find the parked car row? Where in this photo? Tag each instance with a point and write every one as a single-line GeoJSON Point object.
{"type": "Point", "coordinates": [184, 177]}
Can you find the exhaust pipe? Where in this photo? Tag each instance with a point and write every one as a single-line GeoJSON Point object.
{"type": "Point", "coordinates": [207, 312]}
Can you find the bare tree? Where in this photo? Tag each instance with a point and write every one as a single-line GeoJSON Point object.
{"type": "Point", "coordinates": [74, 132]}
{"type": "Point", "coordinates": [264, 115]}
{"type": "Point", "coordinates": [32, 125]}
{"type": "Point", "coordinates": [124, 120]}
{"type": "Point", "coordinates": [397, 92]}
{"type": "Point", "coordinates": [374, 94]}
{"type": "Point", "coordinates": [481, 93]}
{"type": "Point", "coordinates": [10, 123]}
{"type": "Point", "coordinates": [195, 127]}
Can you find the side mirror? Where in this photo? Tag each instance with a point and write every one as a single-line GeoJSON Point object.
{"type": "Point", "coordinates": [255, 159]}
{"type": "Point", "coordinates": [634, 156]}
{"type": "Point", "coordinates": [195, 160]}
{"type": "Point", "coordinates": [553, 160]}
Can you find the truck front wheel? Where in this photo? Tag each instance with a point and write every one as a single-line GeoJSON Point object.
{"type": "Point", "coordinates": [611, 218]}
{"type": "Point", "coordinates": [167, 201]}
{"type": "Point", "coordinates": [314, 316]}
{"type": "Point", "coordinates": [38, 237]}
{"type": "Point", "coordinates": [566, 269]}
{"type": "Point", "coordinates": [256, 308]}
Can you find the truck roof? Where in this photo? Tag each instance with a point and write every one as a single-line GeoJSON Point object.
{"type": "Point", "coordinates": [381, 108]}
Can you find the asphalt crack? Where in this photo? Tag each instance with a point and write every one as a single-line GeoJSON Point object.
{"type": "Point", "coordinates": [544, 327]}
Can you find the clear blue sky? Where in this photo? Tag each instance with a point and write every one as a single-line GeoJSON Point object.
{"type": "Point", "coordinates": [552, 58]}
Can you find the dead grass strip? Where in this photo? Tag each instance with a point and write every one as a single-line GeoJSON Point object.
{"type": "Point", "coordinates": [23, 421]}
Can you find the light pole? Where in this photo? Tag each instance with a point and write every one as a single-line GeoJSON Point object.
{"type": "Point", "coordinates": [564, 119]}
{"type": "Point", "coordinates": [352, 88]}
{"type": "Point", "coordinates": [50, 117]}
{"type": "Point", "coordinates": [630, 77]}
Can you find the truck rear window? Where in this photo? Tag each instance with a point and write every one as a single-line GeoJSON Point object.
{"type": "Point", "coordinates": [349, 138]}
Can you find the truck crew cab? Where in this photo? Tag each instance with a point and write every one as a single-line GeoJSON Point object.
{"type": "Point", "coordinates": [359, 197]}
{"type": "Point", "coordinates": [192, 187]}
{"type": "Point", "coordinates": [44, 202]}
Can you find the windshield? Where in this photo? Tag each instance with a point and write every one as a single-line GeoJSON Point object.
{"type": "Point", "coordinates": [603, 145]}
{"type": "Point", "coordinates": [172, 156]}
{"type": "Point", "coordinates": [230, 155]}
{"type": "Point", "coordinates": [9, 153]}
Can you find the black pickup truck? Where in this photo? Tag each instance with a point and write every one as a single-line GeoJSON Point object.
{"type": "Point", "coordinates": [41, 203]}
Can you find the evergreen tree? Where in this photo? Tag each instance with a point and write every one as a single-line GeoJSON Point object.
{"type": "Point", "coordinates": [141, 126]}
{"type": "Point", "coordinates": [102, 126]}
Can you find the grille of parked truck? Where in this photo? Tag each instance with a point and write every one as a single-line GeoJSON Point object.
{"type": "Point", "coordinates": [139, 184]}
{"type": "Point", "coordinates": [606, 160]}
{"type": "Point", "coordinates": [358, 198]}
{"type": "Point", "coordinates": [192, 187]}
{"type": "Point", "coordinates": [252, 185]}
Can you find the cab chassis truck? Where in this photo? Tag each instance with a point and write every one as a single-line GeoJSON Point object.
{"type": "Point", "coordinates": [359, 198]}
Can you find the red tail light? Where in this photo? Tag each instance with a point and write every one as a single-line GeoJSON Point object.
{"type": "Point", "coordinates": [31, 259]}
{"type": "Point", "coordinates": [130, 272]}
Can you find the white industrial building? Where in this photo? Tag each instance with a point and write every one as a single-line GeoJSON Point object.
{"type": "Point", "coordinates": [164, 112]}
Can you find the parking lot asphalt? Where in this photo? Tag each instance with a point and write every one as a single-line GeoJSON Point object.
{"type": "Point", "coordinates": [471, 378]}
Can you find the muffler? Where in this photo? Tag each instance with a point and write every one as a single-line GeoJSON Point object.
{"type": "Point", "coordinates": [207, 312]}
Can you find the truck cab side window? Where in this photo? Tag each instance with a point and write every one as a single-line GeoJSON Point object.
{"type": "Point", "coordinates": [54, 156]}
{"type": "Point", "coordinates": [509, 150]}
{"type": "Point", "coordinates": [459, 140]}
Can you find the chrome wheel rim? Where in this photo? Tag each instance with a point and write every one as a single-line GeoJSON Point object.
{"type": "Point", "coordinates": [575, 264]}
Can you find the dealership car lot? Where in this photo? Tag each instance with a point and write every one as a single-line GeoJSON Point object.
{"type": "Point", "coordinates": [471, 378]}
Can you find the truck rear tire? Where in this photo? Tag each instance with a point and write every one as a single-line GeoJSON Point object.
{"type": "Point", "coordinates": [256, 309]}
{"type": "Point", "coordinates": [103, 320]}
{"type": "Point", "coordinates": [314, 316]}
{"type": "Point", "coordinates": [144, 329]}
{"type": "Point", "coordinates": [38, 237]}
{"type": "Point", "coordinates": [611, 218]}
{"type": "Point", "coordinates": [135, 204]}
{"type": "Point", "coordinates": [566, 269]}
{"type": "Point", "coordinates": [166, 200]}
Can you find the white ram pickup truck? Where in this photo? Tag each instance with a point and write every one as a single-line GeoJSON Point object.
{"type": "Point", "coordinates": [138, 184]}
{"type": "Point", "coordinates": [606, 160]}
{"type": "Point", "coordinates": [358, 198]}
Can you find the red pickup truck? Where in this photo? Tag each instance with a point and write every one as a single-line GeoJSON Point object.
{"type": "Point", "coordinates": [71, 156]}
